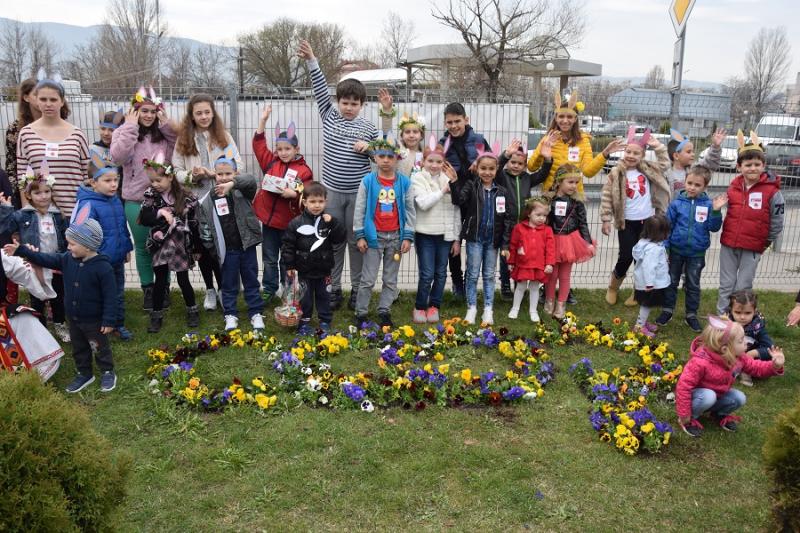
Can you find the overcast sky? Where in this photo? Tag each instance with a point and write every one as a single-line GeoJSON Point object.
{"type": "Point", "coordinates": [626, 37]}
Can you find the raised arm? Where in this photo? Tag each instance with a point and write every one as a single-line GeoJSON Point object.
{"type": "Point", "coordinates": [318, 82]}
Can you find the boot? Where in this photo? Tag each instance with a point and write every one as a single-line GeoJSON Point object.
{"type": "Point", "coordinates": [192, 316]}
{"type": "Point", "coordinates": [549, 306]}
{"type": "Point", "coordinates": [156, 318]}
{"type": "Point", "coordinates": [147, 292]}
{"type": "Point", "coordinates": [630, 302]}
{"type": "Point", "coordinates": [167, 298]}
{"type": "Point", "coordinates": [613, 289]}
{"type": "Point", "coordinates": [560, 311]}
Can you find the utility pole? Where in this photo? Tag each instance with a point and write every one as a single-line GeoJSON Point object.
{"type": "Point", "coordinates": [158, 44]}
{"type": "Point", "coordinates": [679, 11]}
{"type": "Point", "coordinates": [240, 67]}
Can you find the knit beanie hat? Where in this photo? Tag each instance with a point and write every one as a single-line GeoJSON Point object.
{"type": "Point", "coordinates": [87, 233]}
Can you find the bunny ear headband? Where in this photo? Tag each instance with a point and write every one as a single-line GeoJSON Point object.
{"type": "Point", "coordinates": [101, 165]}
{"type": "Point", "coordinates": [157, 163]}
{"type": "Point", "coordinates": [678, 137]}
{"type": "Point", "coordinates": [44, 81]}
{"type": "Point", "coordinates": [25, 183]}
{"type": "Point", "coordinates": [228, 158]}
{"type": "Point", "coordinates": [384, 146]}
{"type": "Point", "coordinates": [146, 96]}
{"type": "Point", "coordinates": [288, 136]}
{"type": "Point", "coordinates": [412, 120]}
{"type": "Point", "coordinates": [435, 148]}
{"type": "Point", "coordinates": [721, 324]}
{"type": "Point", "coordinates": [494, 154]}
{"type": "Point", "coordinates": [572, 106]}
{"type": "Point", "coordinates": [112, 119]}
{"type": "Point", "coordinates": [754, 144]}
{"type": "Point", "coordinates": [642, 141]}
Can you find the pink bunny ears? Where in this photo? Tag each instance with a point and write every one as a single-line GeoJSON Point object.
{"type": "Point", "coordinates": [642, 141]}
{"type": "Point", "coordinates": [494, 153]}
{"type": "Point", "coordinates": [146, 96]}
{"type": "Point", "coordinates": [434, 147]}
{"type": "Point", "coordinates": [723, 325]}
{"type": "Point", "coordinates": [157, 163]}
{"type": "Point", "coordinates": [287, 136]}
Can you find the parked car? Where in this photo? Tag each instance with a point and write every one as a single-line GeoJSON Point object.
{"type": "Point", "coordinates": [649, 154]}
{"type": "Point", "coordinates": [534, 136]}
{"type": "Point", "coordinates": [730, 151]}
{"type": "Point", "coordinates": [783, 158]}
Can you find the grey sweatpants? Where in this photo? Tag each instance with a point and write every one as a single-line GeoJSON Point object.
{"type": "Point", "coordinates": [388, 246]}
{"type": "Point", "coordinates": [737, 269]}
{"type": "Point", "coordinates": [341, 206]}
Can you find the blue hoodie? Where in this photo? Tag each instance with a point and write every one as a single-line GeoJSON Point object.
{"type": "Point", "coordinates": [692, 220]}
{"type": "Point", "coordinates": [108, 211]}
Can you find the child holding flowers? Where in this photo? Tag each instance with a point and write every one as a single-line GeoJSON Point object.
{"type": "Point", "coordinates": [717, 358]}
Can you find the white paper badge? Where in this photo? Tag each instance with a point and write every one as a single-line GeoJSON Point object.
{"type": "Point", "coordinates": [561, 208]}
{"type": "Point", "coordinates": [755, 200]}
{"type": "Point", "coordinates": [520, 251]}
{"type": "Point", "coordinates": [291, 174]}
{"type": "Point", "coordinates": [46, 226]}
{"type": "Point", "coordinates": [51, 150]}
{"type": "Point", "coordinates": [500, 204]}
{"type": "Point", "coordinates": [574, 154]}
{"type": "Point", "coordinates": [221, 205]}
{"type": "Point", "coordinates": [701, 213]}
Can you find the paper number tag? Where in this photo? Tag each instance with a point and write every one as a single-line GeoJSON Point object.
{"type": "Point", "coordinates": [520, 251]}
{"type": "Point", "coordinates": [701, 213]}
{"type": "Point", "coordinates": [500, 204]}
{"type": "Point", "coordinates": [47, 227]}
{"type": "Point", "coordinates": [291, 174]}
{"type": "Point", "coordinates": [561, 209]}
{"type": "Point", "coordinates": [754, 200]}
{"type": "Point", "coordinates": [51, 150]}
{"type": "Point", "coordinates": [221, 204]}
{"type": "Point", "coordinates": [574, 154]}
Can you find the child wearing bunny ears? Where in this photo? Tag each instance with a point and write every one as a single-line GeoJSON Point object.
{"type": "Point", "coordinates": [634, 191]}
{"type": "Point", "coordinates": [278, 199]}
{"type": "Point", "coordinates": [681, 155]}
{"type": "Point", "coordinates": [101, 148]}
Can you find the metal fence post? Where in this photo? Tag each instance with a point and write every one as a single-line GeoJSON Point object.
{"type": "Point", "coordinates": [233, 117]}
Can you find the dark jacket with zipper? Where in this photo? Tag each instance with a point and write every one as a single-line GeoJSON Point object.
{"type": "Point", "coordinates": [296, 247]}
{"type": "Point", "coordinates": [757, 338]}
{"type": "Point", "coordinates": [573, 220]}
{"type": "Point", "coordinates": [519, 187]}
{"type": "Point", "coordinates": [26, 222]}
{"type": "Point", "coordinates": [469, 196]}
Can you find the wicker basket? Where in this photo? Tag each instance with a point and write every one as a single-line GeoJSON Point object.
{"type": "Point", "coordinates": [288, 317]}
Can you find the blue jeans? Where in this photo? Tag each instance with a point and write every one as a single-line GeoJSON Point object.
{"type": "Point", "coordinates": [245, 264]}
{"type": "Point", "coordinates": [274, 269]}
{"type": "Point", "coordinates": [119, 277]}
{"type": "Point", "coordinates": [481, 258]}
{"type": "Point", "coordinates": [433, 253]}
{"type": "Point", "coordinates": [691, 286]}
{"type": "Point", "coordinates": [707, 400]}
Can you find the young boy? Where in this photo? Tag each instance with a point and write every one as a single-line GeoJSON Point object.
{"type": "Point", "coordinates": [754, 220]}
{"type": "Point", "coordinates": [345, 161]}
{"type": "Point", "coordinates": [692, 217]}
{"type": "Point", "coordinates": [90, 298]}
{"type": "Point", "coordinates": [230, 229]}
{"type": "Point", "coordinates": [308, 253]}
{"type": "Point", "coordinates": [383, 223]}
{"type": "Point", "coordinates": [108, 123]}
{"type": "Point", "coordinates": [462, 153]}
{"type": "Point", "coordinates": [106, 207]}
{"type": "Point", "coordinates": [681, 155]}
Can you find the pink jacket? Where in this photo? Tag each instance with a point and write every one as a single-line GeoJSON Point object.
{"type": "Point", "coordinates": [708, 370]}
{"type": "Point", "coordinates": [127, 151]}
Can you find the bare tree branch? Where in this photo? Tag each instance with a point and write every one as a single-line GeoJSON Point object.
{"type": "Point", "coordinates": [766, 65]}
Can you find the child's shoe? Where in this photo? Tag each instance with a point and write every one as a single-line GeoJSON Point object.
{"type": "Point", "coordinates": [257, 321]}
{"type": "Point", "coordinates": [79, 383]}
{"type": "Point", "coordinates": [124, 333]}
{"type": "Point", "coordinates": [147, 297]}
{"type": "Point", "coordinates": [325, 327]}
{"type": "Point", "coordinates": [631, 302]}
{"type": "Point", "coordinates": [746, 379]}
{"type": "Point", "coordinates": [488, 316]}
{"type": "Point", "coordinates": [693, 323]}
{"type": "Point", "coordinates": [730, 423]}
{"type": "Point", "coordinates": [385, 319]}
{"type": "Point", "coordinates": [534, 310]}
{"type": "Point", "coordinates": [648, 330]}
{"type": "Point", "coordinates": [513, 313]}
{"type": "Point", "coordinates": [472, 313]}
{"type": "Point", "coordinates": [549, 307]}
{"type": "Point", "coordinates": [156, 319]}
{"type": "Point", "coordinates": [231, 322]}
{"type": "Point", "coordinates": [506, 293]}
{"type": "Point", "coordinates": [560, 310]}
{"type": "Point", "coordinates": [210, 303]}
{"type": "Point", "coordinates": [419, 316]}
{"type": "Point", "coordinates": [571, 300]}
{"type": "Point", "coordinates": [192, 316]}
{"type": "Point", "coordinates": [336, 299]}
{"type": "Point", "coordinates": [62, 331]}
{"type": "Point", "coordinates": [694, 428]}
{"type": "Point", "coordinates": [360, 320]}
{"type": "Point", "coordinates": [304, 328]}
{"type": "Point", "coordinates": [351, 303]}
{"type": "Point", "coordinates": [433, 315]}
{"type": "Point", "coordinates": [108, 381]}
{"type": "Point", "coordinates": [664, 318]}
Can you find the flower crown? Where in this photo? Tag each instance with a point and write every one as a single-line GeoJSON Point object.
{"type": "Point", "coordinates": [384, 146]}
{"type": "Point", "coordinates": [412, 120]}
{"type": "Point", "coordinates": [571, 106]}
{"type": "Point", "coordinates": [25, 183]}
{"type": "Point", "coordinates": [146, 96]}
{"type": "Point", "coordinates": [157, 163]}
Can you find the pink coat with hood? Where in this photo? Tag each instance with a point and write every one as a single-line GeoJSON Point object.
{"type": "Point", "coordinates": [708, 370]}
{"type": "Point", "coordinates": [128, 151]}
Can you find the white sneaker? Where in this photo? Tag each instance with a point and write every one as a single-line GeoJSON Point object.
{"type": "Point", "coordinates": [257, 321]}
{"type": "Point", "coordinates": [472, 312]}
{"type": "Point", "coordinates": [231, 322]}
{"type": "Point", "coordinates": [535, 316]}
{"type": "Point", "coordinates": [514, 313]}
{"type": "Point", "coordinates": [279, 292]}
{"type": "Point", "coordinates": [488, 316]}
{"type": "Point", "coordinates": [210, 302]}
{"type": "Point", "coordinates": [62, 331]}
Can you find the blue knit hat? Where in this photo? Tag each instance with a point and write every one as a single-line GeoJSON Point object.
{"type": "Point", "coordinates": [85, 231]}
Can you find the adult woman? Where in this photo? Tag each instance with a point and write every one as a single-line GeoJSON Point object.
{"type": "Point", "coordinates": [27, 112]}
{"type": "Point", "coordinates": [146, 132]}
{"type": "Point", "coordinates": [572, 145]}
{"type": "Point", "coordinates": [202, 139]}
{"type": "Point", "coordinates": [51, 137]}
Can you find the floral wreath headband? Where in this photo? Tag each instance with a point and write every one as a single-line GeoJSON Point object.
{"type": "Point", "coordinates": [411, 120]}
{"type": "Point", "coordinates": [146, 96]}
{"type": "Point", "coordinates": [157, 163]}
{"type": "Point", "coordinates": [571, 106]}
{"type": "Point", "coordinates": [26, 182]}
{"type": "Point", "coordinates": [385, 145]}
{"type": "Point", "coordinates": [754, 145]}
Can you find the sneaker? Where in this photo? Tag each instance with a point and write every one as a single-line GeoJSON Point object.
{"type": "Point", "coordinates": [108, 381]}
{"type": "Point", "coordinates": [304, 328]}
{"type": "Point", "coordinates": [336, 299]}
{"type": "Point", "coordinates": [351, 303]}
{"type": "Point", "coordinates": [267, 297]}
{"type": "Point", "coordinates": [325, 326]}
{"type": "Point", "coordinates": [62, 331]}
{"type": "Point", "coordinates": [257, 321]}
{"type": "Point", "coordinates": [385, 319]}
{"type": "Point", "coordinates": [432, 315]}
{"type": "Point", "coordinates": [746, 379]}
{"type": "Point", "coordinates": [231, 322]}
{"type": "Point", "coordinates": [210, 303]}
{"type": "Point", "coordinates": [535, 316]}
{"type": "Point", "coordinates": [472, 313]}
{"type": "Point", "coordinates": [571, 300]}
{"type": "Point", "coordinates": [419, 316]}
{"type": "Point", "coordinates": [729, 423]}
{"type": "Point", "coordinates": [79, 383]}
{"type": "Point", "coordinates": [488, 316]}
{"type": "Point", "coordinates": [124, 333]}
{"type": "Point", "coordinates": [664, 318]}
{"type": "Point", "coordinates": [513, 313]}
{"type": "Point", "coordinates": [693, 323]}
{"type": "Point", "coordinates": [694, 428]}
{"type": "Point", "coordinates": [648, 330]}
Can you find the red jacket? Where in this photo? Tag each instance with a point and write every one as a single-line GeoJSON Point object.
{"type": "Point", "coordinates": [271, 208]}
{"type": "Point", "coordinates": [708, 370]}
{"type": "Point", "coordinates": [753, 215]}
{"type": "Point", "coordinates": [538, 244]}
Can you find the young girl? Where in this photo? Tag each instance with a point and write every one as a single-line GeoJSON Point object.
{"type": "Point", "coordinates": [573, 241]}
{"type": "Point", "coordinates": [41, 225]}
{"type": "Point", "coordinates": [635, 191]}
{"type": "Point", "coordinates": [651, 274]}
{"type": "Point", "coordinates": [744, 311]}
{"type": "Point", "coordinates": [532, 254]}
{"type": "Point", "coordinates": [171, 213]}
{"type": "Point", "coordinates": [436, 231]}
{"type": "Point", "coordinates": [487, 217]}
{"type": "Point", "coordinates": [412, 135]}
{"type": "Point", "coordinates": [718, 356]}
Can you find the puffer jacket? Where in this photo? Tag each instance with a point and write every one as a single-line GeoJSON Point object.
{"type": "Point", "coordinates": [755, 216]}
{"type": "Point", "coordinates": [757, 338]}
{"type": "Point", "coordinates": [469, 196]}
{"type": "Point", "coordinates": [708, 370]}
{"type": "Point", "coordinates": [26, 222]}
{"type": "Point", "coordinates": [436, 214]}
{"type": "Point", "coordinates": [612, 202]}
{"type": "Point", "coordinates": [463, 150]}
{"type": "Point", "coordinates": [652, 267]}
{"type": "Point", "coordinates": [574, 218]}
{"type": "Point", "coordinates": [691, 221]}
{"type": "Point", "coordinates": [249, 227]}
{"type": "Point", "coordinates": [108, 211]}
{"type": "Point", "coordinates": [589, 164]}
{"type": "Point", "coordinates": [532, 246]}
{"type": "Point", "coordinates": [128, 151]}
{"type": "Point", "coordinates": [296, 247]}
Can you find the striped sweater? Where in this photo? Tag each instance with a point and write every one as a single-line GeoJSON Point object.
{"type": "Point", "coordinates": [68, 163]}
{"type": "Point", "coordinates": [342, 167]}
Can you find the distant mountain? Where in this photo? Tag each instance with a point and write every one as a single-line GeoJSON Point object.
{"type": "Point", "coordinates": [687, 84]}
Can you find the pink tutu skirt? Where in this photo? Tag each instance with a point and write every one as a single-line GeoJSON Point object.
{"type": "Point", "coordinates": [572, 248]}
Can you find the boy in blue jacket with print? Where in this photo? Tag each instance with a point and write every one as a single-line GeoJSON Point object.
{"type": "Point", "coordinates": [89, 297]}
{"type": "Point", "coordinates": [692, 216]}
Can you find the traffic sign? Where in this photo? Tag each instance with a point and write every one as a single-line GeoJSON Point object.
{"type": "Point", "coordinates": [679, 11]}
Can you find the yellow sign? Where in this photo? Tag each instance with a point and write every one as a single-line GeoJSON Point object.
{"type": "Point", "coordinates": [679, 11]}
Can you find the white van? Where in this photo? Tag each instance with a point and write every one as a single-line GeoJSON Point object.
{"type": "Point", "coordinates": [778, 128]}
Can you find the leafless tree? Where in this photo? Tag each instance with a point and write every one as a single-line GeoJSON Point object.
{"type": "Point", "coordinates": [396, 36]}
{"type": "Point", "coordinates": [595, 94]}
{"type": "Point", "coordinates": [211, 66]}
{"type": "Point", "coordinates": [766, 65]}
{"type": "Point", "coordinates": [23, 50]}
{"type": "Point", "coordinates": [497, 32]}
{"type": "Point", "coordinates": [179, 65]}
{"type": "Point", "coordinates": [654, 78]}
{"type": "Point", "coordinates": [742, 109]}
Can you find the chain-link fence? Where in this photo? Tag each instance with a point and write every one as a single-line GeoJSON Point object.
{"type": "Point", "coordinates": [606, 118]}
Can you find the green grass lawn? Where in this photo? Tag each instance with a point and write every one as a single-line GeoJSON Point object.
{"type": "Point", "coordinates": [537, 466]}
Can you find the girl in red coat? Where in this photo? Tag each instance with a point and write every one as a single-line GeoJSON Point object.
{"type": "Point", "coordinates": [532, 253]}
{"type": "Point", "coordinates": [278, 199]}
{"type": "Point", "coordinates": [718, 357]}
